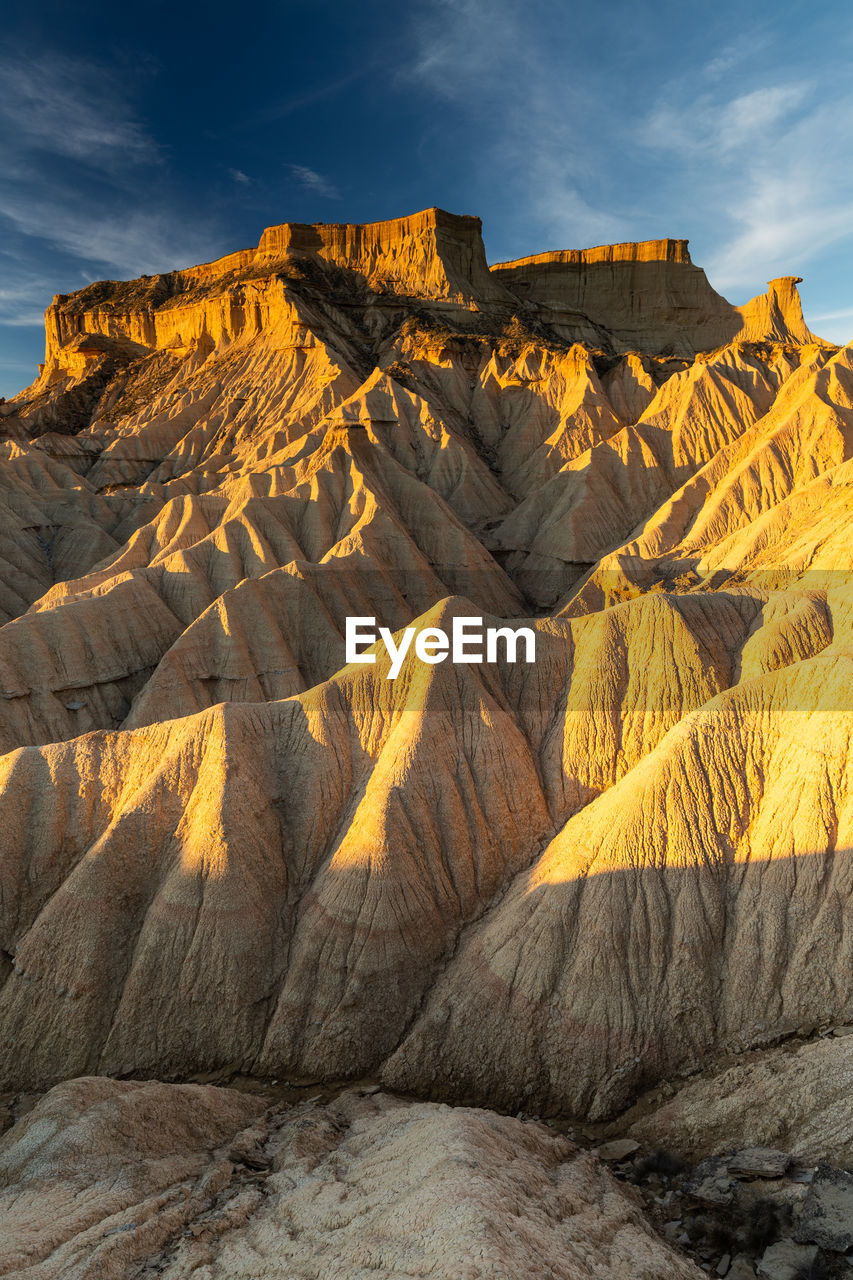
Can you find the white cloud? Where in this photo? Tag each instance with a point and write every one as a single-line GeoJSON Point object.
{"type": "Point", "coordinates": [69, 107]}
{"type": "Point", "coordinates": [81, 178]}
{"type": "Point", "coordinates": [836, 315]}
{"type": "Point", "coordinates": [488, 56]}
{"type": "Point", "coordinates": [762, 173]}
{"type": "Point", "coordinates": [718, 127]}
{"type": "Point", "coordinates": [461, 44]}
{"type": "Point", "coordinates": [754, 115]}
{"type": "Point", "coordinates": [741, 52]}
{"type": "Point", "coordinates": [239, 176]}
{"type": "Point", "coordinates": [313, 181]}
{"type": "Point", "coordinates": [835, 326]}
{"type": "Point", "coordinates": [130, 240]}
{"type": "Point", "coordinates": [23, 300]}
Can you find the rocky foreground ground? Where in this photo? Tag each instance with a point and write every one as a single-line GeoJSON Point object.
{"type": "Point", "coordinates": [742, 1172]}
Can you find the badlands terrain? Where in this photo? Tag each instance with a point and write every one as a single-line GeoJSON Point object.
{"type": "Point", "coordinates": [441, 936]}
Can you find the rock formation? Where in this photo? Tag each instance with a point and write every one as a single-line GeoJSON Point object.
{"type": "Point", "coordinates": [545, 887]}
{"type": "Point", "coordinates": [188, 1180]}
{"type": "Point", "coordinates": [649, 297]}
{"type": "Point", "coordinates": [798, 1096]}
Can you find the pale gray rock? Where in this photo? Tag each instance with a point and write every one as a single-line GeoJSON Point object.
{"type": "Point", "coordinates": [113, 1180]}
{"type": "Point", "coordinates": [785, 1260]}
{"type": "Point", "coordinates": [758, 1162]}
{"type": "Point", "coordinates": [827, 1217]}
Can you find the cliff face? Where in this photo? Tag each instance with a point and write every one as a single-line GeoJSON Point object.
{"type": "Point", "coordinates": [432, 254]}
{"type": "Point", "coordinates": [169, 314]}
{"type": "Point", "coordinates": [432, 257]}
{"type": "Point", "coordinates": [650, 297]}
{"type": "Point", "coordinates": [646, 297]}
{"type": "Point", "coordinates": [628, 251]}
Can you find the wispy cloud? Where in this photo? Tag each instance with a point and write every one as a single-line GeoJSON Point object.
{"type": "Point", "coordinates": [16, 366]}
{"type": "Point", "coordinates": [84, 185]}
{"type": "Point", "coordinates": [23, 300]}
{"type": "Point", "coordinates": [835, 326]}
{"type": "Point", "coordinates": [69, 107]}
{"type": "Point", "coordinates": [846, 314]}
{"type": "Point", "coordinates": [477, 53]}
{"type": "Point", "coordinates": [460, 44]}
{"type": "Point", "coordinates": [717, 127]}
{"type": "Point", "coordinates": [313, 181]}
{"type": "Point", "coordinates": [294, 103]}
{"type": "Point", "coordinates": [736, 53]}
{"type": "Point", "coordinates": [761, 169]}
{"type": "Point", "coordinates": [132, 241]}
{"type": "Point", "coordinates": [239, 177]}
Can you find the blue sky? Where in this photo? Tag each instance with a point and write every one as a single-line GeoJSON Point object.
{"type": "Point", "coordinates": [136, 139]}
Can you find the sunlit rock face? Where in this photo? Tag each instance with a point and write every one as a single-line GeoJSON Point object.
{"type": "Point", "coordinates": [540, 885]}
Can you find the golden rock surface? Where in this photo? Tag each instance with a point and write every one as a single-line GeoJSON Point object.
{"type": "Point", "coordinates": [540, 887]}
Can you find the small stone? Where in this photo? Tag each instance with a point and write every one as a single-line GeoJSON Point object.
{"type": "Point", "coordinates": [619, 1149]}
{"type": "Point", "coordinates": [724, 1264]}
{"type": "Point", "coordinates": [758, 1162]}
{"type": "Point", "coordinates": [741, 1268]}
{"type": "Point", "coordinates": [74, 706]}
{"type": "Point", "coordinates": [785, 1260]}
{"type": "Point", "coordinates": [249, 1154]}
{"type": "Point", "coordinates": [370, 1090]}
{"type": "Point", "coordinates": [843, 1031]}
{"type": "Point", "coordinates": [827, 1215]}
{"type": "Point", "coordinates": [710, 1183]}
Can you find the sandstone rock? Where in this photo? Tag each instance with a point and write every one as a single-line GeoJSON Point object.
{"type": "Point", "coordinates": [802, 1096]}
{"type": "Point", "coordinates": [588, 291]}
{"type": "Point", "coordinates": [741, 1268]}
{"type": "Point", "coordinates": [785, 1260]}
{"type": "Point", "coordinates": [710, 1184]}
{"type": "Point", "coordinates": [827, 1216]}
{"type": "Point", "coordinates": [618, 1149]}
{"type": "Point", "coordinates": [629, 388]}
{"type": "Point", "coordinates": [109, 1178]}
{"type": "Point", "coordinates": [758, 1162]}
{"type": "Point", "coordinates": [605, 492]}
{"type": "Point", "coordinates": [629, 855]}
{"type": "Point", "coordinates": [390, 745]}
{"type": "Point", "coordinates": [432, 254]}
{"type": "Point", "coordinates": [767, 504]}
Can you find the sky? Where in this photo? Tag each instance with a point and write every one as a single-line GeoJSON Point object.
{"type": "Point", "coordinates": [142, 138]}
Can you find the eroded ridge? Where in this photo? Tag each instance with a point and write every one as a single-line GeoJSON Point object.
{"type": "Point", "coordinates": [542, 884]}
